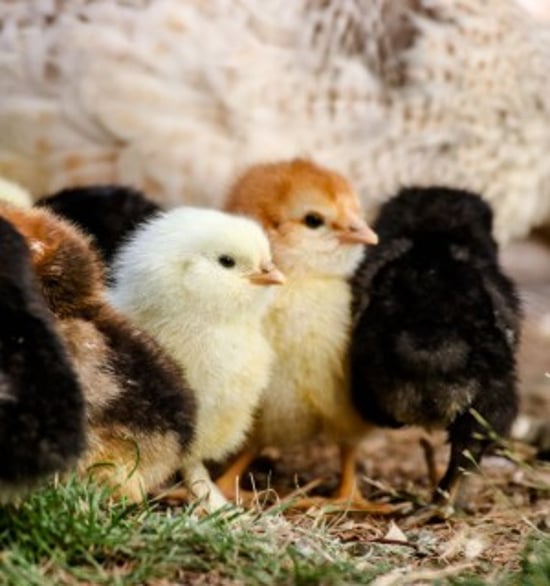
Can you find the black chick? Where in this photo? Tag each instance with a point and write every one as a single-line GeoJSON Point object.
{"type": "Point", "coordinates": [436, 326]}
{"type": "Point", "coordinates": [108, 213]}
{"type": "Point", "coordinates": [41, 404]}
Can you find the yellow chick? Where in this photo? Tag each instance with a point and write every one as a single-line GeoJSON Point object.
{"type": "Point", "coordinates": [13, 193]}
{"type": "Point", "coordinates": [196, 280]}
{"type": "Point", "coordinates": [314, 222]}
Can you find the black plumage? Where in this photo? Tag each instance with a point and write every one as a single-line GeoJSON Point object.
{"type": "Point", "coordinates": [436, 325]}
{"type": "Point", "coordinates": [41, 403]}
{"type": "Point", "coordinates": [108, 213]}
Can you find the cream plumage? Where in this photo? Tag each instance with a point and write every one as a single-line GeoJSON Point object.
{"type": "Point", "coordinates": [13, 193]}
{"type": "Point", "coordinates": [389, 92]}
{"type": "Point", "coordinates": [315, 226]}
{"type": "Point", "coordinates": [193, 279]}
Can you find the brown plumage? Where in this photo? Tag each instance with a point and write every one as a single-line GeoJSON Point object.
{"type": "Point", "coordinates": [272, 188]}
{"type": "Point", "coordinates": [140, 415]}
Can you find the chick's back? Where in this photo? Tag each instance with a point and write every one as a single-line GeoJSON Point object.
{"type": "Point", "coordinates": [108, 213]}
{"type": "Point", "coordinates": [41, 404]}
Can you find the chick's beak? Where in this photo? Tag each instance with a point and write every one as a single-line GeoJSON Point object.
{"type": "Point", "coordinates": [269, 274]}
{"type": "Point", "coordinates": [356, 231]}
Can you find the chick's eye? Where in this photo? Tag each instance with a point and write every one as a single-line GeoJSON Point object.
{"type": "Point", "coordinates": [226, 261]}
{"type": "Point", "coordinates": [313, 220]}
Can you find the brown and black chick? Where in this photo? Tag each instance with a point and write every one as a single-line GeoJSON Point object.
{"type": "Point", "coordinates": [436, 326]}
{"type": "Point", "coordinates": [41, 404]}
{"type": "Point", "coordinates": [140, 414]}
{"type": "Point", "coordinates": [108, 213]}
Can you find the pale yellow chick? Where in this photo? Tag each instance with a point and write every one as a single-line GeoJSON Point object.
{"type": "Point", "coordinates": [14, 193]}
{"type": "Point", "coordinates": [196, 280]}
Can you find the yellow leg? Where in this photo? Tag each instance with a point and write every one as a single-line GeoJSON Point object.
{"type": "Point", "coordinates": [174, 496]}
{"type": "Point", "coordinates": [347, 489]}
{"type": "Point", "coordinates": [347, 496]}
{"type": "Point", "coordinates": [228, 482]}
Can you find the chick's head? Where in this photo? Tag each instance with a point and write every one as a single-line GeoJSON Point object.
{"type": "Point", "coordinates": [196, 260]}
{"type": "Point", "coordinates": [311, 214]}
{"type": "Point", "coordinates": [69, 271]}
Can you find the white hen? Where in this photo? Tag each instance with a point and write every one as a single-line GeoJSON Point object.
{"type": "Point", "coordinates": [173, 97]}
{"type": "Point", "coordinates": [193, 279]}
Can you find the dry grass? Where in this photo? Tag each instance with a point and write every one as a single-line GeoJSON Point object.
{"type": "Point", "coordinates": [74, 534]}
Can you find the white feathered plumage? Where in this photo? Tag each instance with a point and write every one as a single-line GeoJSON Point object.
{"type": "Point", "coordinates": [177, 97]}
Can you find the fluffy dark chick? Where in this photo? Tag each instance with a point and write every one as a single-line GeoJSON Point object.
{"type": "Point", "coordinates": [41, 404]}
{"type": "Point", "coordinates": [436, 325]}
{"type": "Point", "coordinates": [108, 213]}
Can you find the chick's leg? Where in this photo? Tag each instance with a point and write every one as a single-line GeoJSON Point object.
{"type": "Point", "coordinates": [228, 482]}
{"type": "Point", "coordinates": [464, 458]}
{"type": "Point", "coordinates": [347, 489]}
{"type": "Point", "coordinates": [347, 496]}
{"type": "Point", "coordinates": [466, 453]}
{"type": "Point", "coordinates": [199, 486]}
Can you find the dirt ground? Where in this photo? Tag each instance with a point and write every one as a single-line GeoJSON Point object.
{"type": "Point", "coordinates": [508, 500]}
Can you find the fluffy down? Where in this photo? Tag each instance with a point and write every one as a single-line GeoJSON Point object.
{"type": "Point", "coordinates": [193, 278]}
{"type": "Point", "coordinates": [139, 410]}
{"type": "Point", "coordinates": [41, 405]}
{"type": "Point", "coordinates": [13, 193]}
{"type": "Point", "coordinates": [437, 325]}
{"type": "Point", "coordinates": [314, 222]}
{"type": "Point", "coordinates": [107, 213]}
{"type": "Point", "coordinates": [393, 92]}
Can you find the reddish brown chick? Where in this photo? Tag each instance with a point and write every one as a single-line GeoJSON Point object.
{"type": "Point", "coordinates": [140, 415]}
{"type": "Point", "coordinates": [305, 209]}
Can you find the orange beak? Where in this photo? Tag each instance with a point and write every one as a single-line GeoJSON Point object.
{"type": "Point", "coordinates": [356, 231]}
{"type": "Point", "coordinates": [269, 275]}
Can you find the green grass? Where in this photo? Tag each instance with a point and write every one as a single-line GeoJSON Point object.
{"type": "Point", "coordinates": [535, 564]}
{"type": "Point", "coordinates": [73, 534]}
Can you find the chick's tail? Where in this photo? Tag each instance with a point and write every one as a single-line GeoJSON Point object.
{"type": "Point", "coordinates": [431, 353]}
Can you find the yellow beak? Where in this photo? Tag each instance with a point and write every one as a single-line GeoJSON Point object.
{"type": "Point", "coordinates": [269, 274]}
{"type": "Point", "coordinates": [356, 231]}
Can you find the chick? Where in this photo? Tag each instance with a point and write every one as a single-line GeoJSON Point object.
{"type": "Point", "coordinates": [14, 193]}
{"type": "Point", "coordinates": [436, 326]}
{"type": "Point", "coordinates": [196, 280]}
{"type": "Point", "coordinates": [314, 222]}
{"type": "Point", "coordinates": [139, 410]}
{"type": "Point", "coordinates": [108, 213]}
{"type": "Point", "coordinates": [41, 405]}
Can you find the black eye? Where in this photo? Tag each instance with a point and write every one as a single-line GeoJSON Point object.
{"type": "Point", "coordinates": [313, 220]}
{"type": "Point", "coordinates": [226, 261]}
